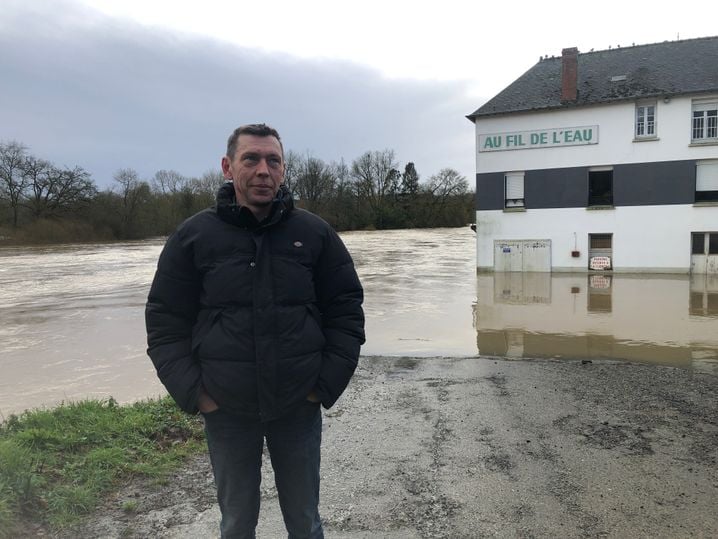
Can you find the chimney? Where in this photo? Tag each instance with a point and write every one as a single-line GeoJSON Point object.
{"type": "Point", "coordinates": [569, 75]}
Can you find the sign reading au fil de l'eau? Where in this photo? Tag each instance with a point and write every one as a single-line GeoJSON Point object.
{"type": "Point", "coordinates": [542, 138]}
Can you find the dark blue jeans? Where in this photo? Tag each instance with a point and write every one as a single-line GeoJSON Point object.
{"type": "Point", "coordinates": [235, 448]}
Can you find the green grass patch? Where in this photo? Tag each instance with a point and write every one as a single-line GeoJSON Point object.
{"type": "Point", "coordinates": [56, 465]}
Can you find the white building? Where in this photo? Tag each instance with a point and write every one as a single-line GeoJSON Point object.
{"type": "Point", "coordinates": [604, 160]}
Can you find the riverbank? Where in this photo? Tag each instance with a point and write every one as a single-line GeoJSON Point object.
{"type": "Point", "coordinates": [57, 465]}
{"type": "Point", "coordinates": [465, 448]}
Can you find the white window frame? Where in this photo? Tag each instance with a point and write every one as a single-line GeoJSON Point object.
{"type": "Point", "coordinates": [514, 190]}
{"type": "Point", "coordinates": [706, 180]}
{"type": "Point", "coordinates": [646, 120]}
{"type": "Point", "coordinates": [704, 121]}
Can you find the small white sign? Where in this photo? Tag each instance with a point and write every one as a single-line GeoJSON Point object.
{"type": "Point", "coordinates": [600, 263]}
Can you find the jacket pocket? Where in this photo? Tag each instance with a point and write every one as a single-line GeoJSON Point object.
{"type": "Point", "coordinates": [203, 326]}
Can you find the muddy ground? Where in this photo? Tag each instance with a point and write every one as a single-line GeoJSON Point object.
{"type": "Point", "coordinates": [469, 448]}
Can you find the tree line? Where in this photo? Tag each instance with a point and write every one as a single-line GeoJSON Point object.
{"type": "Point", "coordinates": [40, 202]}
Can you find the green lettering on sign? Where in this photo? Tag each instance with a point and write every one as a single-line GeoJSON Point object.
{"type": "Point", "coordinates": [516, 140]}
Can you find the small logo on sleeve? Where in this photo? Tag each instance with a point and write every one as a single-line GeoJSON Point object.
{"type": "Point", "coordinates": [298, 244]}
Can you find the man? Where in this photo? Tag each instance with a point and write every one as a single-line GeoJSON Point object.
{"type": "Point", "coordinates": [254, 318]}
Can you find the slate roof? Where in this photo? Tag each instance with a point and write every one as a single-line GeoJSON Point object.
{"type": "Point", "coordinates": [661, 69]}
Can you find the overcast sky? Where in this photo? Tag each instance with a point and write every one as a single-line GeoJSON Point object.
{"type": "Point", "coordinates": [150, 85]}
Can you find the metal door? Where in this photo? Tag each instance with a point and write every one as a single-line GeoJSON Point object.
{"type": "Point", "coordinates": [522, 255]}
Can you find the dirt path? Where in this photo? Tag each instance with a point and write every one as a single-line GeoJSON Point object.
{"type": "Point", "coordinates": [465, 448]}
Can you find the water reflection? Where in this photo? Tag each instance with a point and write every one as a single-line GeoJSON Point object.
{"type": "Point", "coordinates": [669, 320]}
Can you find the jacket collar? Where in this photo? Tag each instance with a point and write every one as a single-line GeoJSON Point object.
{"type": "Point", "coordinates": [241, 216]}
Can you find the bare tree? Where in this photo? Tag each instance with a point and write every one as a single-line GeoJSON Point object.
{"type": "Point", "coordinates": [447, 182]}
{"type": "Point", "coordinates": [343, 181]}
{"type": "Point", "coordinates": [169, 182]}
{"type": "Point", "coordinates": [393, 183]}
{"type": "Point", "coordinates": [342, 213]}
{"type": "Point", "coordinates": [13, 181]}
{"type": "Point", "coordinates": [205, 187]}
{"type": "Point", "coordinates": [38, 174]}
{"type": "Point", "coordinates": [444, 188]}
{"type": "Point", "coordinates": [293, 164]}
{"type": "Point", "coordinates": [133, 193]}
{"type": "Point", "coordinates": [70, 187]}
{"type": "Point", "coordinates": [314, 183]}
{"type": "Point", "coordinates": [375, 179]}
{"type": "Point", "coordinates": [53, 191]}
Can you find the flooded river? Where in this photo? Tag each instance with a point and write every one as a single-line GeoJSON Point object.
{"type": "Point", "coordinates": [73, 316]}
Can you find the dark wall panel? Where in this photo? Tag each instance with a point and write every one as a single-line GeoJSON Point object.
{"type": "Point", "coordinates": [490, 191]}
{"type": "Point", "coordinates": [636, 184]}
{"type": "Point", "coordinates": [669, 182]}
{"type": "Point", "coordinates": [556, 188]}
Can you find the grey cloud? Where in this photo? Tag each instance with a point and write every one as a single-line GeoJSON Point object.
{"type": "Point", "coordinates": [82, 89]}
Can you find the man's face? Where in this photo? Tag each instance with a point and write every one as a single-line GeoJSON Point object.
{"type": "Point", "coordinates": [256, 170]}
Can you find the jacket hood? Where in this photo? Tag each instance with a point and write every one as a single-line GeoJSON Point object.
{"type": "Point", "coordinates": [229, 211]}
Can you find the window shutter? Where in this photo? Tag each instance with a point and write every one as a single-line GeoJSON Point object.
{"type": "Point", "coordinates": [514, 186]}
{"type": "Point", "coordinates": [705, 106]}
{"type": "Point", "coordinates": [707, 176]}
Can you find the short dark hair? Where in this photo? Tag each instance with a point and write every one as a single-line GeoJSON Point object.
{"type": "Point", "coordinates": [258, 130]}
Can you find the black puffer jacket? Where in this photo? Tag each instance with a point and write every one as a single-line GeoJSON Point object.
{"type": "Point", "coordinates": [260, 314]}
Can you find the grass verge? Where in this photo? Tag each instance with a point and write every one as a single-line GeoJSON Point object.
{"type": "Point", "coordinates": [56, 465]}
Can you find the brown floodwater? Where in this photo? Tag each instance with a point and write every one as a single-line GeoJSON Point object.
{"type": "Point", "coordinates": [73, 316]}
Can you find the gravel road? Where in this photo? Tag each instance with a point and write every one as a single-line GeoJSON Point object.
{"type": "Point", "coordinates": [483, 447]}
